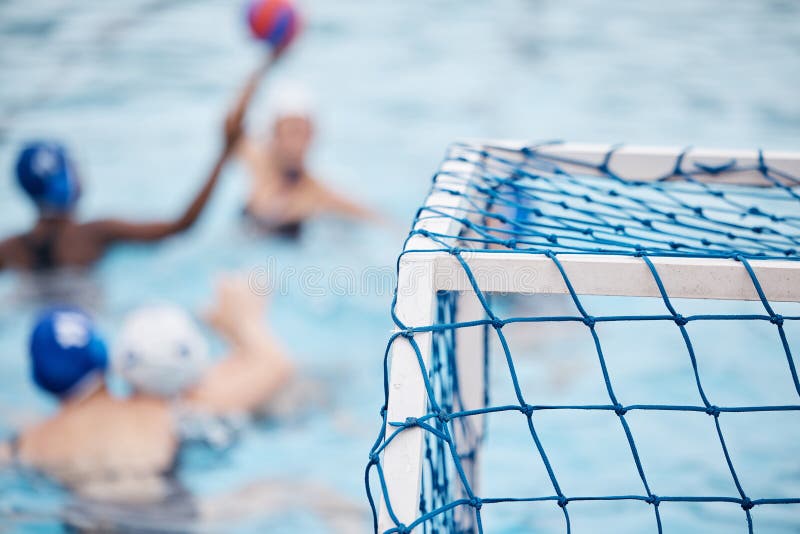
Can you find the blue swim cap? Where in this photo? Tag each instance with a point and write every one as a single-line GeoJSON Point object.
{"type": "Point", "coordinates": [46, 173]}
{"type": "Point", "coordinates": [65, 349]}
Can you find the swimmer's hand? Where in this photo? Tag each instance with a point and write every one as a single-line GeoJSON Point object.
{"type": "Point", "coordinates": [237, 309]}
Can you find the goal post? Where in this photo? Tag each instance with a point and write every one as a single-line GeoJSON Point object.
{"type": "Point", "coordinates": [439, 256]}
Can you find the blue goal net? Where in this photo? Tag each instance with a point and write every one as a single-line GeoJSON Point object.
{"type": "Point", "coordinates": [535, 201]}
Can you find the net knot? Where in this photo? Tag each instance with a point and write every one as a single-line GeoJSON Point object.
{"type": "Point", "coordinates": [373, 458]}
{"type": "Point", "coordinates": [423, 232]}
{"type": "Point", "coordinates": [498, 323]}
{"type": "Point", "coordinates": [562, 501]}
{"type": "Point", "coordinates": [613, 193]}
{"type": "Point", "coordinates": [537, 212]}
{"type": "Point", "coordinates": [674, 245]}
{"type": "Point", "coordinates": [527, 410]}
{"type": "Point", "coordinates": [553, 238]}
{"type": "Point", "coordinates": [705, 242]}
{"type": "Point", "coordinates": [758, 229]}
{"type": "Point", "coordinates": [588, 231]}
{"type": "Point", "coordinates": [747, 504]}
{"type": "Point", "coordinates": [408, 333]}
{"type": "Point", "coordinates": [383, 411]}
{"type": "Point", "coordinates": [620, 229]}
{"type": "Point", "coordinates": [443, 416]}
{"type": "Point", "coordinates": [511, 243]}
{"type": "Point", "coordinates": [550, 254]}
{"type": "Point", "coordinates": [410, 422]}
{"type": "Point", "coordinates": [402, 529]}
{"type": "Point", "coordinates": [730, 236]}
{"type": "Point", "coordinates": [654, 500]}
{"type": "Point", "coordinates": [715, 169]}
{"type": "Point", "coordinates": [671, 216]}
{"type": "Point", "coordinates": [501, 218]}
{"type": "Point", "coordinates": [698, 211]}
{"type": "Point", "coordinates": [790, 252]}
{"type": "Point", "coordinates": [776, 320]}
{"type": "Point", "coordinates": [755, 211]}
{"type": "Point", "coordinates": [713, 410]}
{"type": "Point", "coordinates": [589, 321]}
{"type": "Point", "coordinates": [620, 410]}
{"type": "Point", "coordinates": [455, 251]}
{"type": "Point", "coordinates": [476, 503]}
{"type": "Point", "coordinates": [680, 320]}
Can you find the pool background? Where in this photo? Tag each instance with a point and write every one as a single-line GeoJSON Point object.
{"type": "Point", "coordinates": [138, 90]}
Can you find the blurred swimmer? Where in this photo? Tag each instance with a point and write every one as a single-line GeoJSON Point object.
{"type": "Point", "coordinates": [284, 193]}
{"type": "Point", "coordinates": [162, 352]}
{"type": "Point", "coordinates": [95, 437]}
{"type": "Point", "coordinates": [49, 177]}
{"type": "Point", "coordinates": [94, 440]}
{"type": "Point", "coordinates": [119, 456]}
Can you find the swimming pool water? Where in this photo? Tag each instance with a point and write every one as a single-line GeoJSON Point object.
{"type": "Point", "coordinates": [138, 88]}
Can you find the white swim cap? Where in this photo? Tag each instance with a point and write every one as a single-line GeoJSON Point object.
{"type": "Point", "coordinates": [160, 350]}
{"type": "Point", "coordinates": [289, 99]}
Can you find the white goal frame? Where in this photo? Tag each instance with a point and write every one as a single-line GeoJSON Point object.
{"type": "Point", "coordinates": [427, 270]}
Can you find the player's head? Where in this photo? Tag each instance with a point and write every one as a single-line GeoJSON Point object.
{"type": "Point", "coordinates": [291, 122]}
{"type": "Point", "coordinates": [47, 175]}
{"type": "Point", "coordinates": [160, 350]}
{"type": "Point", "coordinates": [68, 355]}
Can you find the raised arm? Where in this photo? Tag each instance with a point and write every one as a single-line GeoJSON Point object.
{"type": "Point", "coordinates": [255, 368]}
{"type": "Point", "coordinates": [242, 103]}
{"type": "Point", "coordinates": [111, 230]}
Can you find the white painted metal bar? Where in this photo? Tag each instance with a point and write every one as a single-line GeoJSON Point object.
{"type": "Point", "coordinates": [416, 301]}
{"type": "Point", "coordinates": [703, 278]}
{"type": "Point", "coordinates": [402, 458]}
{"type": "Point", "coordinates": [445, 202]}
{"type": "Point", "coordinates": [649, 163]}
{"type": "Point", "coordinates": [468, 431]}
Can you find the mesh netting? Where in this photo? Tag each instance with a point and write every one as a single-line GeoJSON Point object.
{"type": "Point", "coordinates": [524, 201]}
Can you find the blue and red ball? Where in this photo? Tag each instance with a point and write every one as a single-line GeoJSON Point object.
{"type": "Point", "coordinates": [275, 22]}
